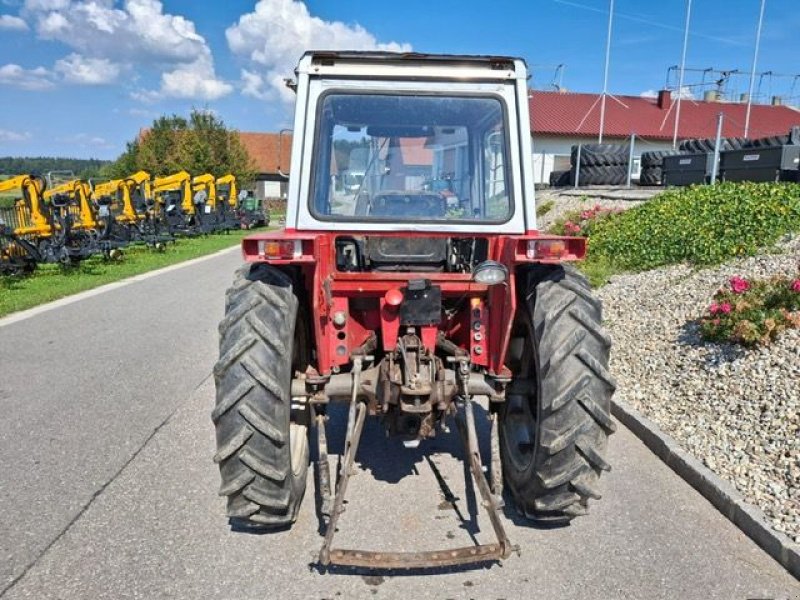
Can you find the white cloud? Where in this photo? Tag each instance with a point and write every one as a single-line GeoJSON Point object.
{"type": "Point", "coordinates": [194, 80]}
{"type": "Point", "coordinates": [87, 71]}
{"type": "Point", "coordinates": [27, 79]}
{"type": "Point", "coordinates": [12, 23]}
{"type": "Point", "coordinates": [85, 140]}
{"type": "Point", "coordinates": [275, 35]}
{"type": "Point", "coordinates": [13, 136]}
{"type": "Point", "coordinates": [141, 112]}
{"type": "Point", "coordinates": [254, 85]}
{"type": "Point", "coordinates": [108, 39]}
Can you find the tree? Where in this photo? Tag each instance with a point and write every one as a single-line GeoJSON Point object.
{"type": "Point", "coordinates": [200, 144]}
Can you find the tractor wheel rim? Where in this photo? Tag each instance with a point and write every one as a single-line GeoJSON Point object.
{"type": "Point", "coordinates": [520, 431]}
{"type": "Point", "coordinates": [298, 439]}
{"type": "Point", "coordinates": [519, 424]}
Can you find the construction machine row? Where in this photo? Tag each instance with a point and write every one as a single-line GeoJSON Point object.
{"type": "Point", "coordinates": [62, 219]}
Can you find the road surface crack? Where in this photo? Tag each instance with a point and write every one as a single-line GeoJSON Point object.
{"type": "Point", "coordinates": [101, 489]}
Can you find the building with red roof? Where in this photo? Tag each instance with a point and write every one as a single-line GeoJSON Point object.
{"type": "Point", "coordinates": [271, 155]}
{"type": "Point", "coordinates": [560, 120]}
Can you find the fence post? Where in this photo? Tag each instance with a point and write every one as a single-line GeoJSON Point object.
{"type": "Point", "coordinates": [630, 159]}
{"type": "Point", "coordinates": [715, 163]}
{"type": "Point", "coordinates": [544, 158]}
{"type": "Point", "coordinates": [577, 166]}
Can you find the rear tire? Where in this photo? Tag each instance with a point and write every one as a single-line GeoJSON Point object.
{"type": "Point", "coordinates": [556, 419]}
{"type": "Point", "coordinates": [262, 451]}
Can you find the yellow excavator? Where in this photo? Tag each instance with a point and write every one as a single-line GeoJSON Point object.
{"type": "Point", "coordinates": [246, 210]}
{"type": "Point", "coordinates": [174, 202]}
{"type": "Point", "coordinates": [227, 190]}
{"type": "Point", "coordinates": [249, 211]}
{"type": "Point", "coordinates": [129, 201]}
{"type": "Point", "coordinates": [23, 226]}
{"type": "Point", "coordinates": [214, 212]}
{"type": "Point", "coordinates": [80, 229]}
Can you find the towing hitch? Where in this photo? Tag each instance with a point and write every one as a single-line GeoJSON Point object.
{"type": "Point", "coordinates": [369, 559]}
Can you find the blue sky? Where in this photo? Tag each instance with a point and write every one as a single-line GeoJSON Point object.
{"type": "Point", "coordinates": [80, 77]}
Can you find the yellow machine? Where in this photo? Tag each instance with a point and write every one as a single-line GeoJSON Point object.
{"type": "Point", "coordinates": [226, 189]}
{"type": "Point", "coordinates": [22, 226]}
{"type": "Point", "coordinates": [139, 182]}
{"type": "Point", "coordinates": [173, 203]}
{"type": "Point", "coordinates": [207, 183]}
{"type": "Point", "coordinates": [116, 194]}
{"type": "Point", "coordinates": [81, 229]}
{"type": "Point", "coordinates": [180, 182]}
{"type": "Point", "coordinates": [75, 196]}
{"type": "Point", "coordinates": [29, 216]}
{"type": "Point", "coordinates": [215, 214]}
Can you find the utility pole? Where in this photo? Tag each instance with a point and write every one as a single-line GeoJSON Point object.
{"type": "Point", "coordinates": [605, 73]}
{"type": "Point", "coordinates": [717, 144]}
{"type": "Point", "coordinates": [680, 77]}
{"type": "Point", "coordinates": [753, 70]}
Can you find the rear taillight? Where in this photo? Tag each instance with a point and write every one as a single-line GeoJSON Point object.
{"type": "Point", "coordinates": [546, 249]}
{"type": "Point", "coordinates": [280, 249]}
{"type": "Point", "coordinates": [556, 249]}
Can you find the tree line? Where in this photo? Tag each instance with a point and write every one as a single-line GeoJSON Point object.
{"type": "Point", "coordinates": [39, 165]}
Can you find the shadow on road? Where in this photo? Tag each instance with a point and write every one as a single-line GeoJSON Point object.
{"type": "Point", "coordinates": [388, 460]}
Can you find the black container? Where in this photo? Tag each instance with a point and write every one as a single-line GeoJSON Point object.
{"type": "Point", "coordinates": [686, 169]}
{"type": "Point", "coordinates": [778, 163]}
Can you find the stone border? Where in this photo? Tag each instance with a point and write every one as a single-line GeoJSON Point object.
{"type": "Point", "coordinates": [719, 492]}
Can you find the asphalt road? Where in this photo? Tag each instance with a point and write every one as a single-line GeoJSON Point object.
{"type": "Point", "coordinates": [107, 489]}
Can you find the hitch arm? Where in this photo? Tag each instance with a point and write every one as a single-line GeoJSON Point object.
{"type": "Point", "coordinates": [414, 560]}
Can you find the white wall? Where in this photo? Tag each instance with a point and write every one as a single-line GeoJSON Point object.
{"type": "Point", "coordinates": [551, 153]}
{"type": "Point", "coordinates": [270, 189]}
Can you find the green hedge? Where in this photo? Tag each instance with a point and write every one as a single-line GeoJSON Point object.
{"type": "Point", "coordinates": [701, 225]}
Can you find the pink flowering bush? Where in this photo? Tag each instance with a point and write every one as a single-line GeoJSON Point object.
{"type": "Point", "coordinates": [752, 312]}
{"type": "Point", "coordinates": [580, 223]}
{"type": "Point", "coordinates": [739, 285]}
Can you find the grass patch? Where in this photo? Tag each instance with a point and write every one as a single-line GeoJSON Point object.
{"type": "Point", "coordinates": [51, 282]}
{"type": "Point", "coordinates": [699, 225]}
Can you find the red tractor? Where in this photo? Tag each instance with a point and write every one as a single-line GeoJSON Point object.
{"type": "Point", "coordinates": [411, 283]}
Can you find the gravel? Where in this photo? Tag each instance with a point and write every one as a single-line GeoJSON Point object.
{"type": "Point", "coordinates": [737, 410]}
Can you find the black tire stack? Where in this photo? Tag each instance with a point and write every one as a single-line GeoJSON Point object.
{"type": "Point", "coordinates": [706, 145]}
{"type": "Point", "coordinates": [770, 141]}
{"type": "Point", "coordinates": [560, 178]}
{"type": "Point", "coordinates": [652, 166]}
{"type": "Point", "coordinates": [600, 164]}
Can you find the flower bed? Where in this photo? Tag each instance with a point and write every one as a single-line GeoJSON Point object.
{"type": "Point", "coordinates": [752, 312]}
{"type": "Point", "coordinates": [581, 223]}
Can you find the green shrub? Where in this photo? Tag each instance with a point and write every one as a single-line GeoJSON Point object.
{"type": "Point", "coordinates": [752, 312]}
{"type": "Point", "coordinates": [701, 225]}
{"type": "Point", "coordinates": [544, 208]}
